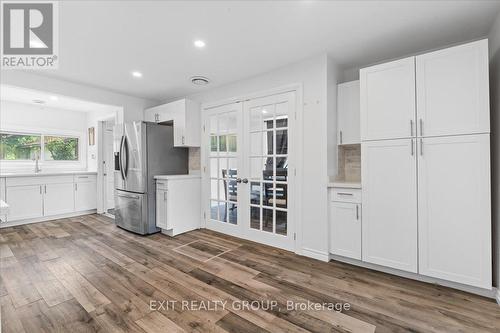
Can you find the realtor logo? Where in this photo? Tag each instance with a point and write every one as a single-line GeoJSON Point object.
{"type": "Point", "coordinates": [30, 34]}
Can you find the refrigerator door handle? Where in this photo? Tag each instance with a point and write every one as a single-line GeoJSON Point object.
{"type": "Point", "coordinates": [120, 160]}
{"type": "Point", "coordinates": [125, 145]}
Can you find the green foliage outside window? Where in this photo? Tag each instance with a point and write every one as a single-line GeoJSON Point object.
{"type": "Point", "coordinates": [61, 148]}
{"type": "Point", "coordinates": [19, 147]}
{"type": "Point", "coordinates": [28, 147]}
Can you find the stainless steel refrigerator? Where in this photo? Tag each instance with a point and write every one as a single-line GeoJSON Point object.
{"type": "Point", "coordinates": [143, 150]}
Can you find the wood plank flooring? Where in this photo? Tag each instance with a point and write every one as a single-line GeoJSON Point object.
{"type": "Point", "coordinates": [86, 275]}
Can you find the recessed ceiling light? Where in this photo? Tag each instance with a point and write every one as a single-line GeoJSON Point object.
{"type": "Point", "coordinates": [200, 80]}
{"type": "Point", "coordinates": [199, 43]}
{"type": "Point", "coordinates": [136, 74]}
{"type": "Point", "coordinates": [54, 98]}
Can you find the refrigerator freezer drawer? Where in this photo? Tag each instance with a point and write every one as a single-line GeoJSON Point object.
{"type": "Point", "coordinates": [131, 211]}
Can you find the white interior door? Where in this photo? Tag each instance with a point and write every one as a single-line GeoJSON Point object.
{"type": "Point", "coordinates": [249, 152]}
{"type": "Point", "coordinates": [108, 166]}
{"type": "Point", "coordinates": [454, 209]}
{"type": "Point", "coordinates": [268, 152]}
{"type": "Point", "coordinates": [223, 137]}
{"type": "Point", "coordinates": [389, 203]}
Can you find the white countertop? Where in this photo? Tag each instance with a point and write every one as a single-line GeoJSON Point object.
{"type": "Point", "coordinates": [48, 173]}
{"type": "Point", "coordinates": [171, 177]}
{"type": "Point", "coordinates": [344, 184]}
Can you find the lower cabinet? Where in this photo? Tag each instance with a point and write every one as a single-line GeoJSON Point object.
{"type": "Point", "coordinates": [161, 205]}
{"type": "Point", "coordinates": [427, 201]}
{"type": "Point", "coordinates": [389, 181]}
{"type": "Point", "coordinates": [345, 229]}
{"type": "Point", "coordinates": [85, 196]}
{"type": "Point", "coordinates": [25, 202]}
{"type": "Point", "coordinates": [45, 196]}
{"type": "Point", "coordinates": [178, 203]}
{"type": "Point", "coordinates": [454, 209]}
{"type": "Point", "coordinates": [58, 199]}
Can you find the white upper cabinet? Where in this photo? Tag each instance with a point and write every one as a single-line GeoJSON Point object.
{"type": "Point", "coordinates": [452, 90]}
{"type": "Point", "coordinates": [454, 209]}
{"type": "Point", "coordinates": [185, 116]}
{"type": "Point", "coordinates": [348, 113]}
{"type": "Point", "coordinates": [387, 99]}
{"type": "Point", "coordinates": [389, 183]}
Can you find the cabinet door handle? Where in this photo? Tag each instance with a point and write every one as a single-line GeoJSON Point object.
{"type": "Point", "coordinates": [421, 147]}
{"type": "Point", "coordinates": [40, 189]}
{"type": "Point", "coordinates": [165, 196]}
{"type": "Point", "coordinates": [340, 137]}
{"type": "Point", "coordinates": [411, 147]}
{"type": "Point", "coordinates": [45, 189]}
{"type": "Point", "coordinates": [357, 212]}
{"type": "Point", "coordinates": [411, 127]}
{"type": "Point", "coordinates": [76, 187]}
{"type": "Point", "coordinates": [183, 139]}
{"type": "Point", "coordinates": [421, 127]}
{"type": "Point", "coordinates": [343, 193]}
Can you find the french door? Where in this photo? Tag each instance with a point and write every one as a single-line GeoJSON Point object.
{"type": "Point", "coordinates": [249, 149]}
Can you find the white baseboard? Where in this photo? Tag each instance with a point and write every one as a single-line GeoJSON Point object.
{"type": "Point", "coordinates": [46, 218]}
{"type": "Point", "coordinates": [497, 295]}
{"type": "Point", "coordinates": [490, 293]}
{"type": "Point", "coordinates": [315, 254]}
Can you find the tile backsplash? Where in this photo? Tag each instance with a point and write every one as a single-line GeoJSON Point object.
{"type": "Point", "coordinates": [194, 159]}
{"type": "Point", "coordinates": [349, 159]}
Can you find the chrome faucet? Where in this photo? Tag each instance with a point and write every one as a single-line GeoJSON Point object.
{"type": "Point", "coordinates": [37, 167]}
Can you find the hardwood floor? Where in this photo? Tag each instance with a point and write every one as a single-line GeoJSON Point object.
{"type": "Point", "coordinates": [86, 275]}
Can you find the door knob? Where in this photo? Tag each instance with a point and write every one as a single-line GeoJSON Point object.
{"type": "Point", "coordinates": [238, 180]}
{"type": "Point", "coordinates": [244, 180]}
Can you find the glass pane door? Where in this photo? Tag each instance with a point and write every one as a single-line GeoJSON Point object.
{"type": "Point", "coordinates": [267, 158]}
{"type": "Point", "coordinates": [224, 125]}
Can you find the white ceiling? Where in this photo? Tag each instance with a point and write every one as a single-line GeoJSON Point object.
{"type": "Point", "coordinates": [28, 96]}
{"type": "Point", "coordinates": [101, 42]}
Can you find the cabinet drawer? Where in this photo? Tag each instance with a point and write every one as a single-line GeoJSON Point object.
{"type": "Point", "coordinates": [346, 195]}
{"type": "Point", "coordinates": [85, 178]}
{"type": "Point", "coordinates": [161, 185]}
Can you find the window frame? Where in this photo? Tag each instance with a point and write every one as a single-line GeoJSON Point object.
{"type": "Point", "coordinates": [79, 136]}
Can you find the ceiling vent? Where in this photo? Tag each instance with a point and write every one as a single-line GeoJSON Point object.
{"type": "Point", "coordinates": [200, 80]}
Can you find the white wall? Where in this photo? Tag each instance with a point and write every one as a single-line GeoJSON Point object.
{"type": "Point", "coordinates": [333, 78]}
{"type": "Point", "coordinates": [19, 115]}
{"type": "Point", "coordinates": [494, 45]}
{"type": "Point", "coordinates": [312, 74]}
{"type": "Point", "coordinates": [132, 106]}
{"type": "Point", "coordinates": [22, 117]}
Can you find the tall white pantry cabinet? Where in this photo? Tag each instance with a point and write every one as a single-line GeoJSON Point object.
{"type": "Point", "coordinates": [425, 161]}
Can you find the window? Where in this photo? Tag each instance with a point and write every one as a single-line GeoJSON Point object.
{"type": "Point", "coordinates": [58, 148]}
{"type": "Point", "coordinates": [23, 147]}
{"type": "Point", "coordinates": [19, 146]}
